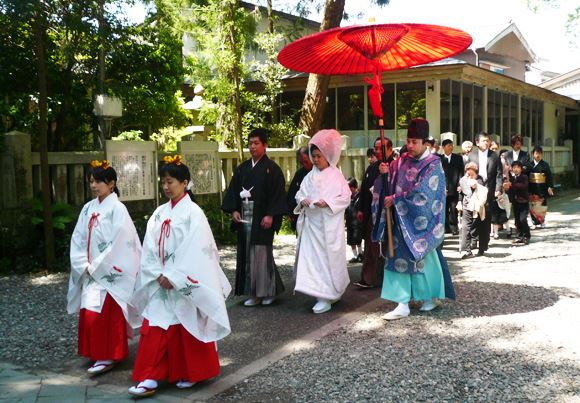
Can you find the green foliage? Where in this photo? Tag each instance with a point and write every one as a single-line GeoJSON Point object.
{"type": "Point", "coordinates": [213, 64]}
{"type": "Point", "coordinates": [167, 138]}
{"type": "Point", "coordinates": [142, 66]}
{"type": "Point", "coordinates": [129, 135]}
{"type": "Point", "coordinates": [62, 214]}
{"type": "Point", "coordinates": [21, 238]}
{"type": "Point", "coordinates": [221, 31]}
{"type": "Point", "coordinates": [218, 220]}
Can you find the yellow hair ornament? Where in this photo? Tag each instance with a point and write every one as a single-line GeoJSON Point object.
{"type": "Point", "coordinates": [173, 159]}
{"type": "Point", "coordinates": [102, 164]}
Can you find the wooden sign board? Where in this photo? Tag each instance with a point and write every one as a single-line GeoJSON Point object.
{"type": "Point", "coordinates": [136, 165]}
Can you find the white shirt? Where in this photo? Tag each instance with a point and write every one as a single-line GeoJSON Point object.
{"type": "Point", "coordinates": [448, 158]}
{"type": "Point", "coordinates": [483, 164]}
{"type": "Point", "coordinates": [516, 155]}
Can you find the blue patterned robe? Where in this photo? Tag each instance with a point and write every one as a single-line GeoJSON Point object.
{"type": "Point", "coordinates": [418, 186]}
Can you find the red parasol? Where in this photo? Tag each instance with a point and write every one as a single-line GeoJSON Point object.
{"type": "Point", "coordinates": [373, 49]}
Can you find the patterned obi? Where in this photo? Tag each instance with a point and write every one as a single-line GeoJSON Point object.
{"type": "Point", "coordinates": [538, 177]}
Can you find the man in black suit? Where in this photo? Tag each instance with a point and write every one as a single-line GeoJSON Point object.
{"type": "Point", "coordinates": [517, 154]}
{"type": "Point", "coordinates": [453, 168]}
{"type": "Point", "coordinates": [490, 169]}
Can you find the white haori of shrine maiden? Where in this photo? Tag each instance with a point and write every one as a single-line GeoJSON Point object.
{"type": "Point", "coordinates": [105, 258]}
{"type": "Point", "coordinates": [179, 245]}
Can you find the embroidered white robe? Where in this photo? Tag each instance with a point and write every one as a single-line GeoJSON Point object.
{"type": "Point", "coordinates": [105, 257]}
{"type": "Point", "coordinates": [179, 244]}
{"type": "Point", "coordinates": [320, 267]}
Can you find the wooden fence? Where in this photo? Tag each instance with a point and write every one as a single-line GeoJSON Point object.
{"type": "Point", "coordinates": [69, 181]}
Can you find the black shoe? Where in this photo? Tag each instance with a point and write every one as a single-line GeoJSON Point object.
{"type": "Point", "coordinates": [455, 232]}
{"type": "Point", "coordinates": [362, 284]}
{"type": "Point", "coordinates": [517, 241]}
{"type": "Point", "coordinates": [481, 253]}
{"type": "Point", "coordinates": [466, 254]}
{"type": "Point", "coordinates": [353, 260]}
{"type": "Point", "coordinates": [360, 258]}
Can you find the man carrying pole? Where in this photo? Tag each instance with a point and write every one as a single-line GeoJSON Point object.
{"type": "Point", "coordinates": [416, 195]}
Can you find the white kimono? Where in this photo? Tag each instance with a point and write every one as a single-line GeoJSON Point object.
{"type": "Point", "coordinates": [320, 267]}
{"type": "Point", "coordinates": [109, 264]}
{"type": "Point", "coordinates": [179, 244]}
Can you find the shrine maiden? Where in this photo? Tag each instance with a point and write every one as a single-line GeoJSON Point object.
{"type": "Point", "coordinates": [322, 199]}
{"type": "Point", "coordinates": [104, 253]}
{"type": "Point", "coordinates": [181, 291]}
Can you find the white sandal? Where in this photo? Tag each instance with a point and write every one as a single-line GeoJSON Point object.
{"type": "Point", "coordinates": [146, 388]}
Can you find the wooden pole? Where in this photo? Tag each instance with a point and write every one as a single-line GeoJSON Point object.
{"type": "Point", "coordinates": [388, 214]}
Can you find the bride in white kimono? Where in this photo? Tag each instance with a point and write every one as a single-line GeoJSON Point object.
{"type": "Point", "coordinates": [181, 291]}
{"type": "Point", "coordinates": [324, 195]}
{"type": "Point", "coordinates": [105, 252]}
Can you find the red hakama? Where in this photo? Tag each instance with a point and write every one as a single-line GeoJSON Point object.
{"type": "Point", "coordinates": [103, 336]}
{"type": "Point", "coordinates": [174, 355]}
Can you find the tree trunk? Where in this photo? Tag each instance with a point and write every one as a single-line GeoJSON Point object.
{"type": "Point", "coordinates": [317, 88]}
{"type": "Point", "coordinates": [235, 76]}
{"type": "Point", "coordinates": [40, 34]}
{"type": "Point", "coordinates": [270, 17]}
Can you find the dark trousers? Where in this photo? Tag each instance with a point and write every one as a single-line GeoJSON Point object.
{"type": "Point", "coordinates": [521, 211]}
{"type": "Point", "coordinates": [373, 264]}
{"type": "Point", "coordinates": [451, 213]}
{"type": "Point", "coordinates": [469, 227]}
{"type": "Point", "coordinates": [483, 230]}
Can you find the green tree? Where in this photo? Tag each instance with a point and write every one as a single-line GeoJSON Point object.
{"type": "Point", "coordinates": [142, 66]}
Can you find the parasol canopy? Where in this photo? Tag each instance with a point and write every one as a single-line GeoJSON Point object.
{"type": "Point", "coordinates": [373, 49]}
{"type": "Point", "coordinates": [364, 48]}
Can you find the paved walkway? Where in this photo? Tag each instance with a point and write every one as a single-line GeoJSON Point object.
{"type": "Point", "coordinates": [272, 350]}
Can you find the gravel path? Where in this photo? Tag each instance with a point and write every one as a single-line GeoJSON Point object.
{"type": "Point", "coordinates": [512, 335]}
{"type": "Point", "coordinates": [37, 333]}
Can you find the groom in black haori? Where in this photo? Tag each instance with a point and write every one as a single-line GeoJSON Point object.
{"type": "Point", "coordinates": [257, 201]}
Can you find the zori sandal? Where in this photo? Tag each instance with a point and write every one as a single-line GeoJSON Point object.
{"type": "Point", "coordinates": [147, 388]}
{"type": "Point", "coordinates": [100, 367]}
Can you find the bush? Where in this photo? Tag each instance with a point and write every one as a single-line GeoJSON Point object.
{"type": "Point", "coordinates": [218, 220]}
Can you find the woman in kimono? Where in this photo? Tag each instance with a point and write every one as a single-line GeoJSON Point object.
{"type": "Point", "coordinates": [181, 291]}
{"type": "Point", "coordinates": [541, 186]}
{"type": "Point", "coordinates": [104, 253]}
{"type": "Point", "coordinates": [323, 197]}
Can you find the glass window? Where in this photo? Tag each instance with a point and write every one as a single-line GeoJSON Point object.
{"type": "Point", "coordinates": [467, 113]}
{"type": "Point", "coordinates": [455, 107]}
{"type": "Point", "coordinates": [410, 102]}
{"type": "Point", "coordinates": [445, 106]}
{"type": "Point", "coordinates": [540, 122]}
{"type": "Point", "coordinates": [291, 104]}
{"type": "Point", "coordinates": [477, 113]}
{"type": "Point", "coordinates": [350, 108]}
{"type": "Point", "coordinates": [388, 102]}
{"type": "Point", "coordinates": [329, 119]}
{"type": "Point", "coordinates": [491, 111]}
{"type": "Point", "coordinates": [525, 129]}
{"type": "Point", "coordinates": [497, 123]}
{"type": "Point", "coordinates": [505, 116]}
{"type": "Point", "coordinates": [513, 116]}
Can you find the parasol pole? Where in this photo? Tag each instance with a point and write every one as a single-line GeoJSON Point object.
{"type": "Point", "coordinates": [375, 99]}
{"type": "Point", "coordinates": [388, 214]}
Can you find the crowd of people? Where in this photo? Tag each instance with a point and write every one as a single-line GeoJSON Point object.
{"type": "Point", "coordinates": [172, 285]}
